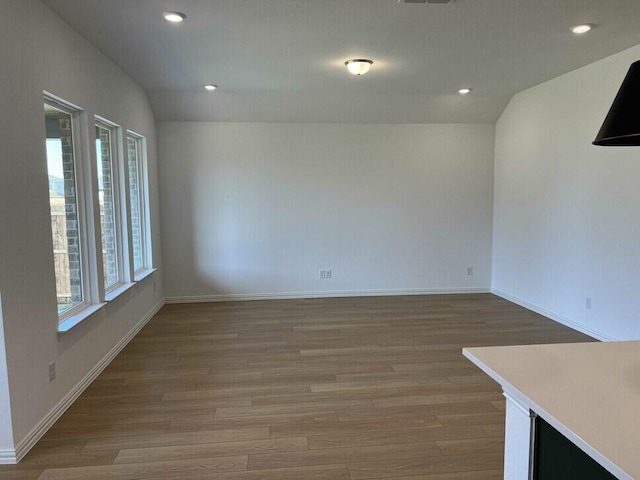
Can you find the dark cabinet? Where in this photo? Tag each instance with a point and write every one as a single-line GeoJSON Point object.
{"type": "Point", "coordinates": [556, 458]}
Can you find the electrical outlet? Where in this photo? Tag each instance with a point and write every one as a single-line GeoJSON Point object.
{"type": "Point", "coordinates": [587, 303]}
{"type": "Point", "coordinates": [52, 371]}
{"type": "Point", "coordinates": [323, 274]}
{"type": "Point", "coordinates": [327, 274]}
{"type": "Point", "coordinates": [469, 270]}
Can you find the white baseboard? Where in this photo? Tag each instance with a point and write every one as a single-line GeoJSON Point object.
{"type": "Point", "coordinates": [27, 443]}
{"type": "Point", "coordinates": [8, 456]}
{"type": "Point", "coordinates": [241, 297]}
{"type": "Point", "coordinates": [555, 317]}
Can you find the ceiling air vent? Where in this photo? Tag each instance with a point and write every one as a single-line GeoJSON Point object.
{"type": "Point", "coordinates": [430, 2]}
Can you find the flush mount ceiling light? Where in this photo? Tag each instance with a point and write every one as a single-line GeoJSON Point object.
{"type": "Point", "coordinates": [464, 91]}
{"type": "Point", "coordinates": [211, 87]}
{"type": "Point", "coordinates": [582, 29]}
{"type": "Point", "coordinates": [174, 17]}
{"type": "Point", "coordinates": [358, 66]}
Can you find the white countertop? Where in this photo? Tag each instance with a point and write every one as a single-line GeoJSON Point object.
{"type": "Point", "coordinates": [590, 392]}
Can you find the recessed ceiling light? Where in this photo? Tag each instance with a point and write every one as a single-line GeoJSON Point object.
{"type": "Point", "coordinates": [358, 66]}
{"type": "Point", "coordinates": [174, 17]}
{"type": "Point", "coordinates": [464, 91]}
{"type": "Point", "coordinates": [210, 87]}
{"type": "Point", "coordinates": [581, 29]}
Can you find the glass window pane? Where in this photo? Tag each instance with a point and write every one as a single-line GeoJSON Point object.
{"type": "Point", "coordinates": [107, 207]}
{"type": "Point", "coordinates": [63, 202]}
{"type": "Point", "coordinates": [134, 151]}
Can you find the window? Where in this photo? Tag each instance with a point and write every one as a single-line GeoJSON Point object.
{"type": "Point", "coordinates": [66, 218]}
{"type": "Point", "coordinates": [137, 196]}
{"type": "Point", "coordinates": [96, 253]}
{"type": "Point", "coordinates": [108, 201]}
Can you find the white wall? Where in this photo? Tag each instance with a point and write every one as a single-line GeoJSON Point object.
{"type": "Point", "coordinates": [40, 52]}
{"type": "Point", "coordinates": [567, 214]}
{"type": "Point", "coordinates": [252, 209]}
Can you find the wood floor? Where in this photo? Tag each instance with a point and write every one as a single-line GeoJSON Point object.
{"type": "Point", "coordinates": [333, 389]}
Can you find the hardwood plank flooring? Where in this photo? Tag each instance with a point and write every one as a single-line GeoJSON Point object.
{"type": "Point", "coordinates": [320, 389]}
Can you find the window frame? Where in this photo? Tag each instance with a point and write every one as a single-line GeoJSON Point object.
{"type": "Point", "coordinates": [143, 201]}
{"type": "Point", "coordinates": [115, 141]}
{"type": "Point", "coordinates": [87, 169]}
{"type": "Point", "coordinates": [86, 272]}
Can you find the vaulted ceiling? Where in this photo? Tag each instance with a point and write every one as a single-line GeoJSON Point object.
{"type": "Point", "coordinates": [283, 60]}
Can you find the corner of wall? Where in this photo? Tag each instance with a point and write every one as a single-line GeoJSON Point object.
{"type": "Point", "coordinates": [14, 455]}
{"type": "Point", "coordinates": [559, 239]}
{"type": "Point", "coordinates": [7, 450]}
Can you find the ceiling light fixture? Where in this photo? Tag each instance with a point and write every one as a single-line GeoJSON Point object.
{"type": "Point", "coordinates": [174, 17]}
{"type": "Point", "coordinates": [581, 29]}
{"type": "Point", "coordinates": [210, 87]}
{"type": "Point", "coordinates": [464, 91]}
{"type": "Point", "coordinates": [358, 66]}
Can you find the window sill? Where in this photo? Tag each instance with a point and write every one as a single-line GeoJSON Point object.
{"type": "Point", "coordinates": [119, 290]}
{"type": "Point", "coordinates": [142, 274]}
{"type": "Point", "coordinates": [78, 318]}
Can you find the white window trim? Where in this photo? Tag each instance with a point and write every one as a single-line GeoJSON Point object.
{"type": "Point", "coordinates": [74, 320]}
{"type": "Point", "coordinates": [116, 163]}
{"type": "Point", "coordinates": [119, 290]}
{"type": "Point", "coordinates": [144, 273]}
{"type": "Point", "coordinates": [86, 273]}
{"type": "Point", "coordinates": [85, 158]}
{"type": "Point", "coordinates": [143, 177]}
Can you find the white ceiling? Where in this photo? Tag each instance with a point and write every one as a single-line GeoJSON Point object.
{"type": "Point", "coordinates": [283, 60]}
